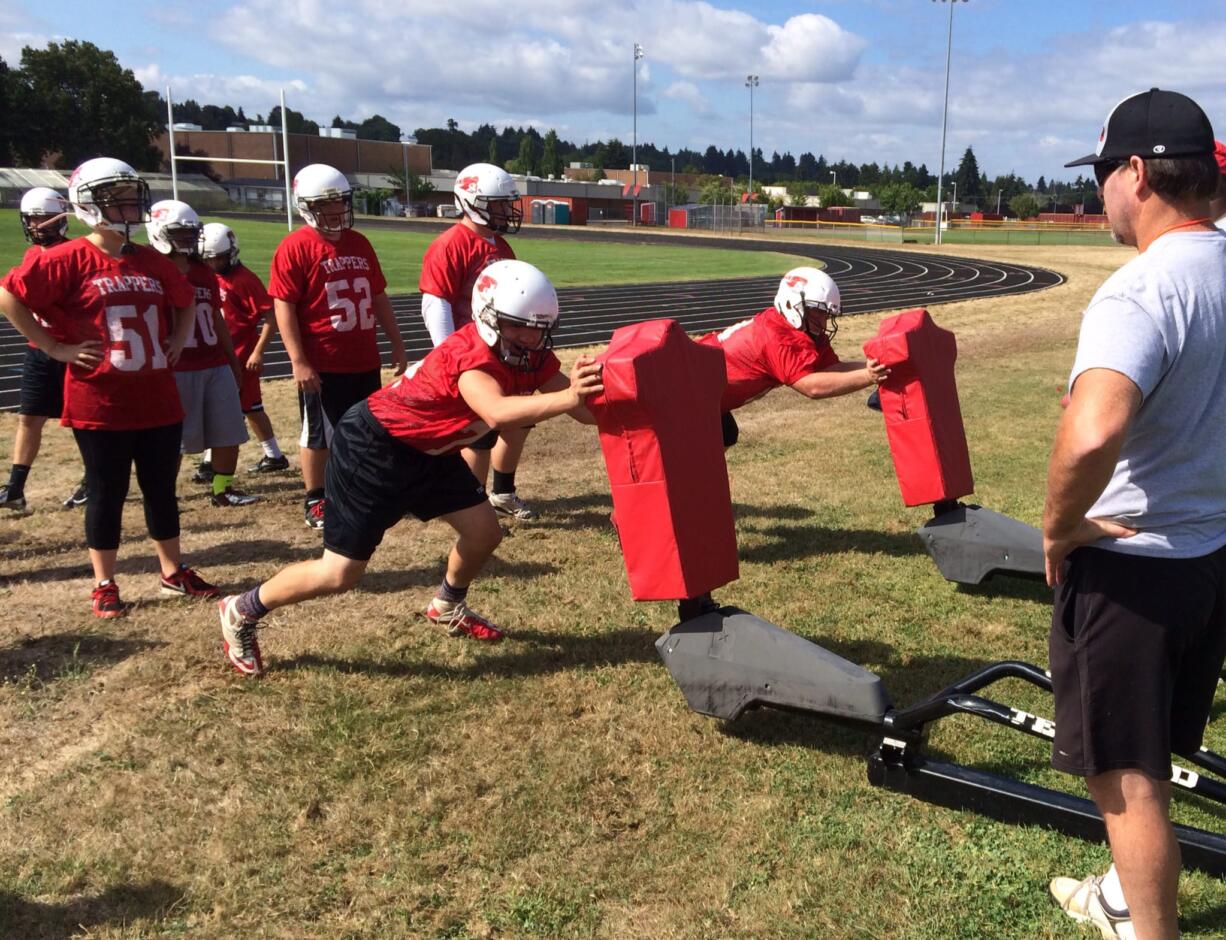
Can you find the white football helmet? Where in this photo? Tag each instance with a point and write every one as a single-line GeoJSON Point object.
{"type": "Point", "coordinates": [514, 293]}
{"type": "Point", "coordinates": [809, 300]}
{"type": "Point", "coordinates": [316, 185]}
{"type": "Point", "coordinates": [107, 193]}
{"type": "Point", "coordinates": [173, 226]}
{"type": "Point", "coordinates": [481, 187]}
{"type": "Point", "coordinates": [44, 216]}
{"type": "Point", "coordinates": [218, 241]}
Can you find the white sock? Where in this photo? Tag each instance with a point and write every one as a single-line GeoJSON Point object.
{"type": "Point", "coordinates": [1113, 893]}
{"type": "Point", "coordinates": [271, 449]}
{"type": "Point", "coordinates": [207, 456]}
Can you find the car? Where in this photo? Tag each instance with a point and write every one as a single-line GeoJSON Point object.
{"type": "Point", "coordinates": [446, 211]}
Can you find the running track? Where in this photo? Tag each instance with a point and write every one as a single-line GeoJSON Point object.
{"type": "Point", "coordinates": [870, 279]}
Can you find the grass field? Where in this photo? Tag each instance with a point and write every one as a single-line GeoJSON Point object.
{"type": "Point", "coordinates": [386, 781]}
{"type": "Point", "coordinates": [567, 264]}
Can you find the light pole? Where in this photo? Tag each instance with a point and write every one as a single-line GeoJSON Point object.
{"type": "Point", "coordinates": [949, 45]}
{"type": "Point", "coordinates": [406, 141]}
{"type": "Point", "coordinates": [834, 178]}
{"type": "Point", "coordinates": [672, 186]}
{"type": "Point", "coordinates": [751, 82]}
{"type": "Point", "coordinates": [634, 146]}
{"type": "Point", "coordinates": [953, 206]}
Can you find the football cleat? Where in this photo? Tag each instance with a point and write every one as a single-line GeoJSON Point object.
{"type": "Point", "coordinates": [313, 513]}
{"type": "Point", "coordinates": [238, 639]}
{"type": "Point", "coordinates": [509, 504]}
{"type": "Point", "coordinates": [459, 619]}
{"type": "Point", "coordinates": [204, 473]}
{"type": "Point", "coordinates": [232, 497]}
{"type": "Point", "coordinates": [9, 500]}
{"type": "Point", "coordinates": [106, 602]}
{"type": "Point", "coordinates": [271, 464]}
{"type": "Point", "coordinates": [188, 583]}
{"type": "Point", "coordinates": [79, 497]}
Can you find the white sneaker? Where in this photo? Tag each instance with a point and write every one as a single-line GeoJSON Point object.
{"type": "Point", "coordinates": [238, 640]}
{"type": "Point", "coordinates": [509, 504]}
{"type": "Point", "coordinates": [1084, 902]}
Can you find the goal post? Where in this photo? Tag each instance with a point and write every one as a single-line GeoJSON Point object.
{"type": "Point", "coordinates": [175, 159]}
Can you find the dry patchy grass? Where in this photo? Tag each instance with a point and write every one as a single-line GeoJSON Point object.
{"type": "Point", "coordinates": [386, 781]}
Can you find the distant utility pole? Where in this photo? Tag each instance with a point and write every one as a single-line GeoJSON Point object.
{"type": "Point", "coordinates": [751, 82]}
{"type": "Point", "coordinates": [634, 147]}
{"type": "Point", "coordinates": [949, 45]}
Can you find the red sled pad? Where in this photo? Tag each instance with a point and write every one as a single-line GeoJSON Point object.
{"type": "Point", "coordinates": [923, 420]}
{"type": "Point", "coordinates": [659, 424]}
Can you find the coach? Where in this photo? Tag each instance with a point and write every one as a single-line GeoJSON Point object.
{"type": "Point", "coordinates": [1135, 519]}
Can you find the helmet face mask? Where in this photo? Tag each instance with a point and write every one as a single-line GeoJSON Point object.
{"type": "Point", "coordinates": [44, 216]}
{"type": "Point", "coordinates": [487, 195]}
{"type": "Point", "coordinates": [174, 228]}
{"type": "Point", "coordinates": [218, 247]}
{"type": "Point", "coordinates": [810, 302]}
{"type": "Point", "coordinates": [108, 194]}
{"type": "Point", "coordinates": [323, 198]}
{"type": "Point", "coordinates": [515, 309]}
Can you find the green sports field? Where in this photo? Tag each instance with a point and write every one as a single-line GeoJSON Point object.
{"type": "Point", "coordinates": [568, 264]}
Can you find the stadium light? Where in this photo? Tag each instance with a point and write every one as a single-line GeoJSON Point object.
{"type": "Point", "coordinates": [949, 45]}
{"type": "Point", "coordinates": [751, 82]}
{"type": "Point", "coordinates": [634, 146]}
{"type": "Point", "coordinates": [834, 177]}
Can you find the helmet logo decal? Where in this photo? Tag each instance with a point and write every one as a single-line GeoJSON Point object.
{"type": "Point", "coordinates": [485, 282]}
{"type": "Point", "coordinates": [468, 183]}
{"type": "Point", "coordinates": [795, 280]}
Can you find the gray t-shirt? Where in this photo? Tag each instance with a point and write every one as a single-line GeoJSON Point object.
{"type": "Point", "coordinates": [1161, 321]}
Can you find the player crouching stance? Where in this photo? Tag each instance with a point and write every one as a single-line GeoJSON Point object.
{"type": "Point", "coordinates": [398, 453]}
{"type": "Point", "coordinates": [790, 344]}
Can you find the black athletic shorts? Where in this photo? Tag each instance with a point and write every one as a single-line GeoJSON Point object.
{"type": "Point", "coordinates": [1136, 648]}
{"type": "Point", "coordinates": [321, 411]}
{"type": "Point", "coordinates": [731, 429]}
{"type": "Point", "coordinates": [374, 480]}
{"type": "Point", "coordinates": [42, 385]}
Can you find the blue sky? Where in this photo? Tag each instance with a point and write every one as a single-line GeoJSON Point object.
{"type": "Point", "coordinates": [852, 79]}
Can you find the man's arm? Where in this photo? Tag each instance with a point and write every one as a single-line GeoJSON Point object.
{"type": "Point", "coordinates": [184, 323]}
{"type": "Point", "coordinates": [580, 412]}
{"type": "Point", "coordinates": [1087, 448]}
{"type": "Point", "coordinates": [440, 321]}
{"type": "Point", "coordinates": [287, 322]}
{"type": "Point", "coordinates": [391, 329]}
{"type": "Point", "coordinates": [255, 361]}
{"type": "Point", "coordinates": [841, 379]}
{"type": "Point", "coordinates": [483, 395]}
{"type": "Point", "coordinates": [226, 342]}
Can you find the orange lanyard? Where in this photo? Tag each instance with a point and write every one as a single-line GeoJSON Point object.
{"type": "Point", "coordinates": [1178, 225]}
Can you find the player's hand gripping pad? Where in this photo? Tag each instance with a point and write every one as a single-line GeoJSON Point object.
{"type": "Point", "coordinates": [923, 421]}
{"type": "Point", "coordinates": [659, 424]}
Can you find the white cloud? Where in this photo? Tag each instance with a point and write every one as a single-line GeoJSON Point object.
{"type": "Point", "coordinates": [688, 93]}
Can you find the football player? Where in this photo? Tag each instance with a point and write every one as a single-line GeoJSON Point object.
{"type": "Point", "coordinates": [488, 202]}
{"type": "Point", "coordinates": [44, 221]}
{"type": "Point", "coordinates": [246, 306]}
{"type": "Point", "coordinates": [328, 292]}
{"type": "Point", "coordinates": [124, 312]}
{"type": "Point", "coordinates": [397, 453]}
{"type": "Point", "coordinates": [208, 373]}
{"type": "Point", "coordinates": [789, 343]}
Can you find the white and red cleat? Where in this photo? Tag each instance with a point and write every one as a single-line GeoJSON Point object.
{"type": "Point", "coordinates": [238, 639]}
{"type": "Point", "coordinates": [459, 619]}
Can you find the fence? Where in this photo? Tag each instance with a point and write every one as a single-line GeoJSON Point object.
{"type": "Point", "coordinates": [726, 218]}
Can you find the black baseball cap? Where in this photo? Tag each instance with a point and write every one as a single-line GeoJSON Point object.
{"type": "Point", "coordinates": [1155, 123]}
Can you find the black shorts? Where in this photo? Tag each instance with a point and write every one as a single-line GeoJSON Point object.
{"type": "Point", "coordinates": [374, 480]}
{"type": "Point", "coordinates": [321, 411]}
{"type": "Point", "coordinates": [1136, 648]}
{"type": "Point", "coordinates": [42, 385]}
{"type": "Point", "coordinates": [730, 428]}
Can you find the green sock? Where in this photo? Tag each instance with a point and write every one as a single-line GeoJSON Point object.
{"type": "Point", "coordinates": [221, 482]}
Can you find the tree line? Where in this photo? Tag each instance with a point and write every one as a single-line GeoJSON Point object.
{"type": "Point", "coordinates": [73, 100]}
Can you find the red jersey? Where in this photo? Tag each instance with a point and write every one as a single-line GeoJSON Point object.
{"type": "Point", "coordinates": [765, 352]}
{"type": "Point", "coordinates": [33, 252]}
{"type": "Point", "coordinates": [202, 349]}
{"type": "Point", "coordinates": [424, 408]}
{"type": "Point", "coordinates": [451, 265]}
{"type": "Point", "coordinates": [125, 303]}
{"type": "Point", "coordinates": [333, 286]}
{"type": "Point", "coordinates": [245, 303]}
